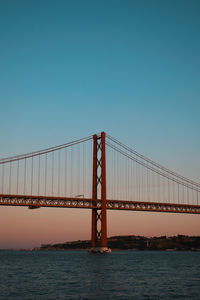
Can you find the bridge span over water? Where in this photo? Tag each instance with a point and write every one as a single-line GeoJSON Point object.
{"type": "Point", "coordinates": [98, 173]}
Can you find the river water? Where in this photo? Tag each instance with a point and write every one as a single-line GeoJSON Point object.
{"type": "Point", "coordinates": [80, 275]}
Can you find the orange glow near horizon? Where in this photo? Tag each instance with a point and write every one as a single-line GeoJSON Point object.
{"type": "Point", "coordinates": [23, 228]}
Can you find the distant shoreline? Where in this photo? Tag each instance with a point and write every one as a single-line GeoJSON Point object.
{"type": "Point", "coordinates": [133, 242]}
{"type": "Point", "coordinates": [87, 250]}
{"type": "Point", "coordinates": [127, 242]}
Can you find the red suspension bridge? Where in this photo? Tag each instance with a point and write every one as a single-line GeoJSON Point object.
{"type": "Point", "coordinates": [98, 173]}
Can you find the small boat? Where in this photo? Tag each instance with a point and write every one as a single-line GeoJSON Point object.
{"type": "Point", "coordinates": [100, 250]}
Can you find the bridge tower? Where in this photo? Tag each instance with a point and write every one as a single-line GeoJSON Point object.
{"type": "Point", "coordinates": [99, 219]}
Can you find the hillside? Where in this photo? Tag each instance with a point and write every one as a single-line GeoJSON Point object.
{"type": "Point", "coordinates": [180, 242]}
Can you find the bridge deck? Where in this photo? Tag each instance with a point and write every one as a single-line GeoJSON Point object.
{"type": "Point", "coordinates": [68, 202]}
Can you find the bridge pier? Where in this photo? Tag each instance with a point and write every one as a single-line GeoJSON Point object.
{"type": "Point", "coordinates": [99, 217]}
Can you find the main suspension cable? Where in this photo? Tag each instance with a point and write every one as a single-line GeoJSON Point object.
{"type": "Point", "coordinates": [152, 162]}
{"type": "Point", "coordinates": [152, 168]}
{"type": "Point", "coordinates": [44, 151]}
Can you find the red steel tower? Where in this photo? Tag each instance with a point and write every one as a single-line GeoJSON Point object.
{"type": "Point", "coordinates": [99, 220]}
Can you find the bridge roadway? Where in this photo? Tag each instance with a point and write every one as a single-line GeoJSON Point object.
{"type": "Point", "coordinates": [33, 202]}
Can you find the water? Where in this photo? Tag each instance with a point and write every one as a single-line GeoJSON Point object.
{"type": "Point", "coordinates": [80, 275]}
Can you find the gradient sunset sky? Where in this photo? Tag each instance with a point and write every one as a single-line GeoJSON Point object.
{"type": "Point", "coordinates": [69, 69]}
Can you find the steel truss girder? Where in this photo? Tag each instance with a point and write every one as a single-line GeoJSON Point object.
{"type": "Point", "coordinates": [65, 202]}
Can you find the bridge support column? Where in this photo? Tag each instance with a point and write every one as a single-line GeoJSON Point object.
{"type": "Point", "coordinates": [94, 193]}
{"type": "Point", "coordinates": [99, 219]}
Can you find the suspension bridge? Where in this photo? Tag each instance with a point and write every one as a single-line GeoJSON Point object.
{"type": "Point", "coordinates": [98, 173]}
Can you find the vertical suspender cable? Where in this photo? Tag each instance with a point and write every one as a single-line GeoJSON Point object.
{"type": "Point", "coordinates": [52, 179]}
{"type": "Point", "coordinates": [71, 193]}
{"type": "Point", "coordinates": [123, 180]}
{"type": "Point", "coordinates": [17, 177]}
{"type": "Point", "coordinates": [125, 190]}
{"type": "Point", "coordinates": [91, 166]}
{"type": "Point", "coordinates": [136, 181]}
{"type": "Point", "coordinates": [78, 171]}
{"type": "Point", "coordinates": [116, 181]}
{"type": "Point", "coordinates": [24, 175]}
{"type": "Point", "coordinates": [111, 174]}
{"type": "Point", "coordinates": [132, 182]}
{"type": "Point", "coordinates": [127, 165]}
{"type": "Point", "coordinates": [32, 175]}
{"type": "Point", "coordinates": [38, 175]}
{"type": "Point", "coordinates": [161, 192]}
{"type": "Point", "coordinates": [139, 183]}
{"type": "Point", "coordinates": [118, 188]}
{"type": "Point", "coordinates": [139, 177]}
{"type": "Point", "coordinates": [153, 186]}
{"type": "Point", "coordinates": [126, 178]}
{"type": "Point", "coordinates": [115, 176]}
{"type": "Point", "coordinates": [120, 174]}
{"type": "Point", "coordinates": [173, 191]}
{"type": "Point", "coordinates": [136, 171]}
{"type": "Point", "coordinates": [10, 177]}
{"type": "Point", "coordinates": [192, 191]}
{"type": "Point", "coordinates": [148, 186]}
{"type": "Point", "coordinates": [65, 185]}
{"type": "Point", "coordinates": [158, 188]}
{"type": "Point", "coordinates": [2, 178]}
{"type": "Point", "coordinates": [84, 169]}
{"type": "Point", "coordinates": [162, 188]}
{"type": "Point", "coordinates": [58, 172]}
{"type": "Point", "coordinates": [128, 181]}
{"type": "Point", "coordinates": [178, 194]}
{"type": "Point", "coordinates": [45, 176]}
{"type": "Point", "coordinates": [187, 196]}
{"type": "Point", "coordinates": [168, 189]}
{"type": "Point", "coordinates": [144, 192]}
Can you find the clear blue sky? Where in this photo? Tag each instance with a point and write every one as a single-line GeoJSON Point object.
{"type": "Point", "coordinates": [73, 68]}
{"type": "Point", "coordinates": [69, 69]}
